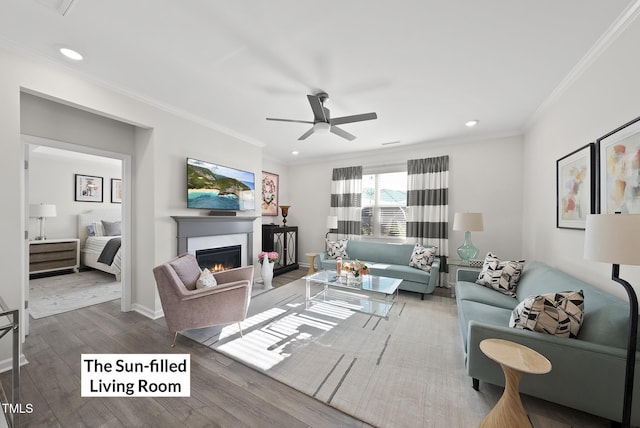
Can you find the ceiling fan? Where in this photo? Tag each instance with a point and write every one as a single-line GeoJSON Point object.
{"type": "Point", "coordinates": [322, 121]}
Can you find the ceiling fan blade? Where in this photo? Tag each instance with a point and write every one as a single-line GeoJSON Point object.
{"type": "Point", "coordinates": [306, 134]}
{"type": "Point", "coordinates": [317, 107]}
{"type": "Point", "coordinates": [354, 118]}
{"type": "Point", "coordinates": [342, 133]}
{"type": "Point", "coordinates": [290, 120]}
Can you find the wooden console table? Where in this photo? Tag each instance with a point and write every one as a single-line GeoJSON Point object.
{"type": "Point", "coordinates": [515, 360]}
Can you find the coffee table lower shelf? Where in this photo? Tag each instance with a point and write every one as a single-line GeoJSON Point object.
{"type": "Point", "coordinates": [354, 301]}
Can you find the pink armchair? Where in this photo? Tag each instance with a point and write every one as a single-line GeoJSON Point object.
{"type": "Point", "coordinates": [187, 307]}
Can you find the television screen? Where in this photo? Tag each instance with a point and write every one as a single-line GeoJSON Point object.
{"type": "Point", "coordinates": [217, 187]}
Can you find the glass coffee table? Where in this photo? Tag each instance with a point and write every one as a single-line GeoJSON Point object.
{"type": "Point", "coordinates": [374, 295]}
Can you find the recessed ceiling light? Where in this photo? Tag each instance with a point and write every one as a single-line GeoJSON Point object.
{"type": "Point", "coordinates": [71, 54]}
{"type": "Point", "coordinates": [295, 153]}
{"type": "Point", "coordinates": [472, 123]}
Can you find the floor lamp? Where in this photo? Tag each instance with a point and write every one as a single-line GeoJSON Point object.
{"type": "Point", "coordinates": [613, 238]}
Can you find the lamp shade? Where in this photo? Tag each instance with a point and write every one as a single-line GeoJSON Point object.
{"type": "Point", "coordinates": [613, 238]}
{"type": "Point", "coordinates": [42, 210]}
{"type": "Point", "coordinates": [471, 222]}
{"type": "Point", "coordinates": [332, 222]}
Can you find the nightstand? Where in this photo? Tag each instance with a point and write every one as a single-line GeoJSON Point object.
{"type": "Point", "coordinates": [454, 266]}
{"type": "Point", "coordinates": [52, 255]}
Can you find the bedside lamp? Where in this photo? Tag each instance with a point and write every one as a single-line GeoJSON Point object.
{"type": "Point", "coordinates": [468, 222]}
{"type": "Point", "coordinates": [41, 212]}
{"type": "Point", "coordinates": [332, 224]}
{"type": "Point", "coordinates": [613, 238]}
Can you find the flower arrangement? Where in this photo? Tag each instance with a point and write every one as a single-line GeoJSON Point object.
{"type": "Point", "coordinates": [356, 268]}
{"type": "Point", "coordinates": [271, 255]}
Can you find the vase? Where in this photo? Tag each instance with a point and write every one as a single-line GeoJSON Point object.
{"type": "Point", "coordinates": [354, 280]}
{"type": "Point", "coordinates": [267, 272]}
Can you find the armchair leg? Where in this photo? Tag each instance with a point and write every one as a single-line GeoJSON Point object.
{"type": "Point", "coordinates": [173, 343]}
{"type": "Point", "coordinates": [240, 327]}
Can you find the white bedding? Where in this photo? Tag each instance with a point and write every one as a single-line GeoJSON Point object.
{"type": "Point", "coordinates": [93, 247]}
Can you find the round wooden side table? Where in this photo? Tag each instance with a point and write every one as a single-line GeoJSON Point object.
{"type": "Point", "coordinates": [312, 262]}
{"type": "Point", "coordinates": [515, 360]}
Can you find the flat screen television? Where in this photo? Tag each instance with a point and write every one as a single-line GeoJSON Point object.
{"type": "Point", "coordinates": [217, 187]}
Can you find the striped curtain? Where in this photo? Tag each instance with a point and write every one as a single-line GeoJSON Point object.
{"type": "Point", "coordinates": [428, 204]}
{"type": "Point", "coordinates": [346, 199]}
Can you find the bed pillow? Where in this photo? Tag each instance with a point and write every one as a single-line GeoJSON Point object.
{"type": "Point", "coordinates": [91, 231]}
{"type": "Point", "coordinates": [98, 228]}
{"type": "Point", "coordinates": [337, 249]}
{"type": "Point", "coordinates": [112, 228]}
{"type": "Point", "coordinates": [502, 276]}
{"type": "Point", "coordinates": [206, 279]}
{"type": "Point", "coordinates": [559, 314]}
{"type": "Point", "coordinates": [422, 257]}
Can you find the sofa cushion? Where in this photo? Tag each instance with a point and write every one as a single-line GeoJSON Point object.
{"type": "Point", "coordinates": [500, 275]}
{"type": "Point", "coordinates": [469, 310]}
{"type": "Point", "coordinates": [559, 314]}
{"type": "Point", "coordinates": [337, 249]}
{"type": "Point", "coordinates": [187, 269]}
{"type": "Point", "coordinates": [478, 293]}
{"type": "Point", "coordinates": [422, 257]}
{"type": "Point", "coordinates": [206, 279]}
{"type": "Point", "coordinates": [398, 271]}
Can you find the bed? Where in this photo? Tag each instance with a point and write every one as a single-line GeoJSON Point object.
{"type": "Point", "coordinates": [100, 252]}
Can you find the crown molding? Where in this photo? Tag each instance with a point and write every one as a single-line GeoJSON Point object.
{"type": "Point", "coordinates": [626, 18]}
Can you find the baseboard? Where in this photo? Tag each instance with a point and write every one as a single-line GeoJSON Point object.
{"type": "Point", "coordinates": [7, 364]}
{"type": "Point", "coordinates": [143, 310]}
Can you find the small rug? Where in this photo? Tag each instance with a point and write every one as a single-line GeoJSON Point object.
{"type": "Point", "coordinates": [386, 372]}
{"type": "Point", "coordinates": [62, 293]}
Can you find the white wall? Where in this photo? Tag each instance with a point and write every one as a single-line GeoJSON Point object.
{"type": "Point", "coordinates": [484, 176]}
{"type": "Point", "coordinates": [604, 97]}
{"type": "Point", "coordinates": [51, 181]}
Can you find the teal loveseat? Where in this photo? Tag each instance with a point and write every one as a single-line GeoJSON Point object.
{"type": "Point", "coordinates": [587, 372]}
{"type": "Point", "coordinates": [390, 260]}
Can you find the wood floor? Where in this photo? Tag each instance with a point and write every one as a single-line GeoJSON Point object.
{"type": "Point", "coordinates": [224, 393]}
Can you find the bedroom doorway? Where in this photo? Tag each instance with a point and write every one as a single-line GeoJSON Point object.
{"type": "Point", "coordinates": [52, 170]}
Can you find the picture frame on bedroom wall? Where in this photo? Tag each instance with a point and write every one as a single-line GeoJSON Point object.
{"type": "Point", "coordinates": [88, 188]}
{"type": "Point", "coordinates": [619, 170]}
{"type": "Point", "coordinates": [270, 189]}
{"type": "Point", "coordinates": [575, 189]}
{"type": "Point", "coordinates": [116, 191]}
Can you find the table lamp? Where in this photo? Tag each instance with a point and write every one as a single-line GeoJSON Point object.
{"type": "Point", "coordinates": [613, 238]}
{"type": "Point", "coordinates": [41, 212]}
{"type": "Point", "coordinates": [332, 224]}
{"type": "Point", "coordinates": [468, 222]}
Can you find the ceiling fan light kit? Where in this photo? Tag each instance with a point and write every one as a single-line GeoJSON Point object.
{"type": "Point", "coordinates": [322, 121]}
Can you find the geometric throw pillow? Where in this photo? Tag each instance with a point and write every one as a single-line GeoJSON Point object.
{"type": "Point", "coordinates": [422, 258]}
{"type": "Point", "coordinates": [500, 275]}
{"type": "Point", "coordinates": [559, 314]}
{"type": "Point", "coordinates": [337, 249]}
{"type": "Point", "coordinates": [206, 279]}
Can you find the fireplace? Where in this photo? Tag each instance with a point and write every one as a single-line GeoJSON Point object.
{"type": "Point", "coordinates": [220, 258]}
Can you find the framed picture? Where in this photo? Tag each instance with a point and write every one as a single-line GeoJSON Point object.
{"type": "Point", "coordinates": [270, 188]}
{"type": "Point", "coordinates": [575, 179]}
{"type": "Point", "coordinates": [619, 170]}
{"type": "Point", "coordinates": [116, 191]}
{"type": "Point", "coordinates": [88, 188]}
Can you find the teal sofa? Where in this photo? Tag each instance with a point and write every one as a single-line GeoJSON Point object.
{"type": "Point", "coordinates": [390, 260]}
{"type": "Point", "coordinates": [587, 372]}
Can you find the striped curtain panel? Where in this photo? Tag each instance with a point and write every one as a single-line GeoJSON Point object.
{"type": "Point", "coordinates": [428, 204]}
{"type": "Point", "coordinates": [346, 199]}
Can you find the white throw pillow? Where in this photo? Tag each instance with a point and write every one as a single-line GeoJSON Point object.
{"type": "Point", "coordinates": [206, 279]}
{"type": "Point", "coordinates": [98, 228]}
{"type": "Point", "coordinates": [422, 257]}
{"type": "Point", "coordinates": [337, 249]}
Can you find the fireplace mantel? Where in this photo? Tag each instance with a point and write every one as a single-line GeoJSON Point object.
{"type": "Point", "coordinates": [195, 226]}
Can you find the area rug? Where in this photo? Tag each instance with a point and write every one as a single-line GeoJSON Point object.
{"type": "Point", "coordinates": [386, 372]}
{"type": "Point", "coordinates": [62, 293]}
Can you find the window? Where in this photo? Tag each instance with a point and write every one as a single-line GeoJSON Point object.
{"type": "Point", "coordinates": [384, 205]}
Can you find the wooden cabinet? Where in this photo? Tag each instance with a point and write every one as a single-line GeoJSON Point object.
{"type": "Point", "coordinates": [53, 255]}
{"type": "Point", "coordinates": [284, 240]}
